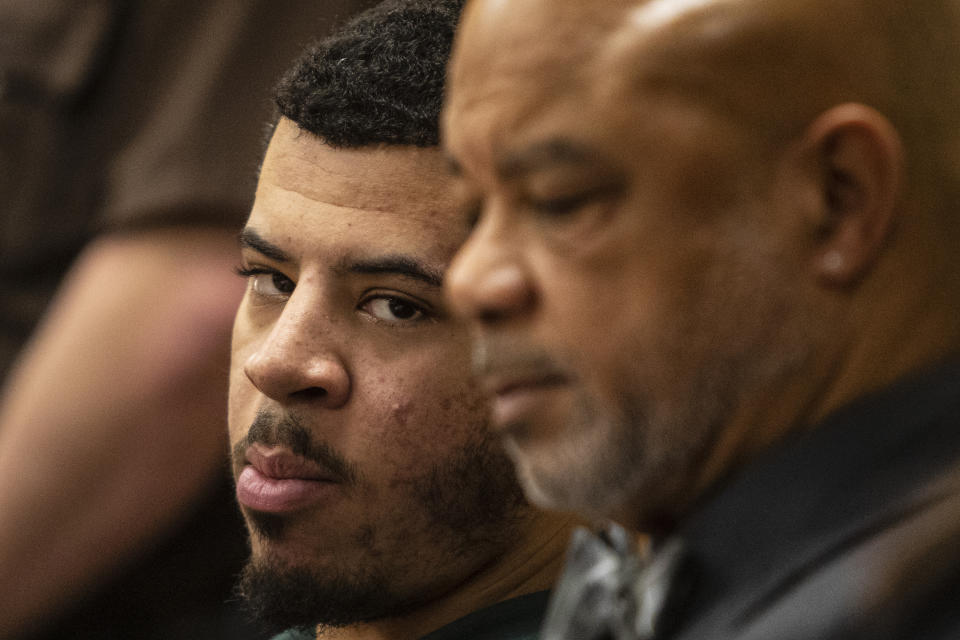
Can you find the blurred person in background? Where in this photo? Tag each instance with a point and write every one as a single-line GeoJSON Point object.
{"type": "Point", "coordinates": [129, 139]}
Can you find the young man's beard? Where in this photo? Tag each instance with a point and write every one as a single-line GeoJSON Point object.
{"type": "Point", "coordinates": [471, 506]}
{"type": "Point", "coordinates": [283, 597]}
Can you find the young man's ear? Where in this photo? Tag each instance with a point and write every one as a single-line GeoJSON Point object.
{"type": "Point", "coordinates": [860, 157]}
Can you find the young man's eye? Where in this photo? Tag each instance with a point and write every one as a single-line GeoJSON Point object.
{"type": "Point", "coordinates": [267, 282]}
{"type": "Point", "coordinates": [394, 310]}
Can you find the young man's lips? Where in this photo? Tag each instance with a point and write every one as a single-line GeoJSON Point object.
{"type": "Point", "coordinates": [280, 495]}
{"type": "Point", "coordinates": [277, 481]}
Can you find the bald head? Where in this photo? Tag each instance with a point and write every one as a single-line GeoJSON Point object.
{"type": "Point", "coordinates": [774, 64]}
{"type": "Point", "coordinates": [752, 198]}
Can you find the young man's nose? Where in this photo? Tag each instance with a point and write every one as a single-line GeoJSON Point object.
{"type": "Point", "coordinates": [299, 361]}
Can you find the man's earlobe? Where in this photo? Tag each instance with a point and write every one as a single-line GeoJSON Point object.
{"type": "Point", "coordinates": [861, 160]}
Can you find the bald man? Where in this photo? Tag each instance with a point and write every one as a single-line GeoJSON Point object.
{"type": "Point", "coordinates": [714, 279]}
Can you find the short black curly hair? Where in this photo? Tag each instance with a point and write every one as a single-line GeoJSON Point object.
{"type": "Point", "coordinates": [378, 79]}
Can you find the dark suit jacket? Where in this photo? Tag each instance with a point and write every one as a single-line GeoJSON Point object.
{"type": "Point", "coordinates": [851, 530]}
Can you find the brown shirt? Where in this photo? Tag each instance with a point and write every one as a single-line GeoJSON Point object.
{"type": "Point", "coordinates": [118, 115]}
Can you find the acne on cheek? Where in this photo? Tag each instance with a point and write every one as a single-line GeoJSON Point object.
{"type": "Point", "coordinates": [444, 411]}
{"type": "Point", "coordinates": [416, 421]}
{"type": "Point", "coordinates": [420, 408]}
{"type": "Point", "coordinates": [420, 429]}
{"type": "Point", "coordinates": [400, 412]}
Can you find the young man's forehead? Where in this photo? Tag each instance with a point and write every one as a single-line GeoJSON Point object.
{"type": "Point", "coordinates": [373, 177]}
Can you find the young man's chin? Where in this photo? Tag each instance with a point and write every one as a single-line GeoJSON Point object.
{"type": "Point", "coordinates": [283, 597]}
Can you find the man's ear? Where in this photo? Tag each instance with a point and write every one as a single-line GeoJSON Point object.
{"type": "Point", "coordinates": [861, 162]}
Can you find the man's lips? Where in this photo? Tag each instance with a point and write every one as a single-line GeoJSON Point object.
{"type": "Point", "coordinates": [515, 396]}
{"type": "Point", "coordinates": [497, 385]}
{"type": "Point", "coordinates": [278, 481]}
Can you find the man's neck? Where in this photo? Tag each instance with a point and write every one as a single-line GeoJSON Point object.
{"type": "Point", "coordinates": [531, 565]}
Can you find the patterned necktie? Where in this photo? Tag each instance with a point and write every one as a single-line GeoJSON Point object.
{"type": "Point", "coordinates": [608, 592]}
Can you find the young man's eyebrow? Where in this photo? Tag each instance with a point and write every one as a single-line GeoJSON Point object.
{"type": "Point", "coordinates": [250, 239]}
{"type": "Point", "coordinates": [394, 264]}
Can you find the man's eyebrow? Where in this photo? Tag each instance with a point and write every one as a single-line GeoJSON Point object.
{"type": "Point", "coordinates": [393, 264]}
{"type": "Point", "coordinates": [547, 153]}
{"type": "Point", "coordinates": [250, 239]}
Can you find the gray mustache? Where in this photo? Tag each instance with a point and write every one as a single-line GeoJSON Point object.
{"type": "Point", "coordinates": [498, 355]}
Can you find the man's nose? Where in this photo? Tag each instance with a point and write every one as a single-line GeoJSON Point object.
{"type": "Point", "coordinates": [299, 361]}
{"type": "Point", "coordinates": [489, 281]}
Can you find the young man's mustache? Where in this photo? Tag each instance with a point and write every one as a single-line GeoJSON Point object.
{"type": "Point", "coordinates": [274, 429]}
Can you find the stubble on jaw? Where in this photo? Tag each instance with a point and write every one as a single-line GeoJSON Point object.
{"type": "Point", "coordinates": [639, 459]}
{"type": "Point", "coordinates": [470, 503]}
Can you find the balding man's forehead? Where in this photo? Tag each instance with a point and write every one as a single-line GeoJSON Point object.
{"type": "Point", "coordinates": [512, 59]}
{"type": "Point", "coordinates": [548, 46]}
{"type": "Point", "coordinates": [769, 63]}
{"type": "Point", "coordinates": [773, 64]}
{"type": "Point", "coordinates": [527, 36]}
